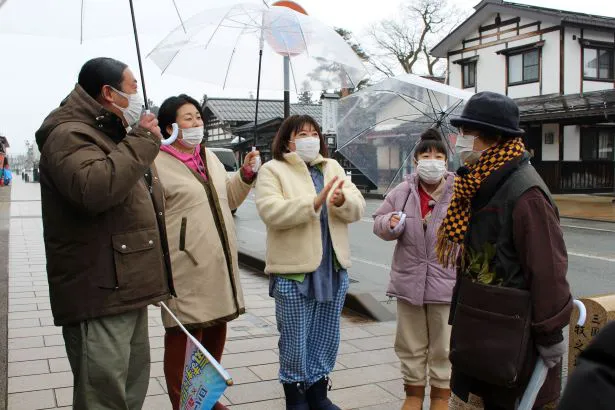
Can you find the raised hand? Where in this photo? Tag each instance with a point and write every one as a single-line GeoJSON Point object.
{"type": "Point", "coordinates": [322, 196]}
{"type": "Point", "coordinates": [338, 198]}
{"type": "Point", "coordinates": [150, 123]}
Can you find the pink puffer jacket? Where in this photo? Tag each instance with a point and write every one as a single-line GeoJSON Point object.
{"type": "Point", "coordinates": [416, 276]}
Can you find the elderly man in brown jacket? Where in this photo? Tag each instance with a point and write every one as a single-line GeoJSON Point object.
{"type": "Point", "coordinates": [107, 257]}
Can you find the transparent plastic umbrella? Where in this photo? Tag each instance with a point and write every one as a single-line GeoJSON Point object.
{"type": "Point", "coordinates": [221, 46]}
{"type": "Point", "coordinates": [379, 126]}
{"type": "Point", "coordinates": [86, 20]}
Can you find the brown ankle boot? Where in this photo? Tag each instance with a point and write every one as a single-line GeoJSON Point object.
{"type": "Point", "coordinates": [414, 397]}
{"type": "Point", "coordinates": [439, 398]}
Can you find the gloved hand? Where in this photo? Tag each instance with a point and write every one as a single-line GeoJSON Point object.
{"type": "Point", "coordinates": [552, 355]}
{"type": "Point", "coordinates": [400, 217]}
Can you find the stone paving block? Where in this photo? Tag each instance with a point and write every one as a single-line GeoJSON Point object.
{"type": "Point", "coordinates": [51, 352]}
{"type": "Point", "coordinates": [266, 371]}
{"type": "Point", "coordinates": [264, 331]}
{"type": "Point", "coordinates": [157, 369]}
{"type": "Point", "coordinates": [26, 342]}
{"type": "Point", "coordinates": [249, 359]}
{"type": "Point", "coordinates": [23, 323]}
{"type": "Point", "coordinates": [163, 382]}
{"type": "Point", "coordinates": [255, 304]}
{"type": "Point", "coordinates": [25, 332]}
{"type": "Point", "coordinates": [157, 354]}
{"type": "Point", "coordinates": [22, 308]}
{"type": "Point", "coordinates": [27, 368]}
{"type": "Point", "coordinates": [32, 314]}
{"type": "Point", "coordinates": [235, 334]}
{"type": "Point", "coordinates": [265, 311]}
{"type": "Point", "coordinates": [361, 396]}
{"type": "Point", "coordinates": [156, 342]}
{"type": "Point", "coordinates": [364, 375]}
{"type": "Point", "coordinates": [349, 333]}
{"type": "Point", "coordinates": [346, 347]}
{"type": "Point", "coordinates": [59, 365]}
{"type": "Point", "coordinates": [156, 331]}
{"type": "Point", "coordinates": [381, 329]}
{"type": "Point", "coordinates": [42, 399]}
{"type": "Point", "coordinates": [374, 343]}
{"type": "Point", "coordinates": [242, 375]}
{"type": "Point", "coordinates": [251, 345]}
{"type": "Point", "coordinates": [252, 392]}
{"type": "Point", "coordinates": [158, 402]}
{"type": "Point", "coordinates": [19, 295]}
{"type": "Point", "coordinates": [40, 382]}
{"type": "Point", "coordinates": [277, 404]}
{"type": "Point", "coordinates": [43, 306]}
{"type": "Point", "coordinates": [64, 396]}
{"type": "Point", "coordinates": [154, 387]}
{"type": "Point", "coordinates": [25, 301]}
{"type": "Point", "coordinates": [54, 340]}
{"type": "Point", "coordinates": [368, 358]}
{"type": "Point", "coordinates": [46, 321]}
{"type": "Point", "coordinates": [395, 387]}
{"type": "Point", "coordinates": [387, 406]}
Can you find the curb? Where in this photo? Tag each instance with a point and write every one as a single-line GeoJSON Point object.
{"type": "Point", "coordinates": [580, 218]}
{"type": "Point", "coordinates": [5, 222]}
{"type": "Point", "coordinates": [363, 304]}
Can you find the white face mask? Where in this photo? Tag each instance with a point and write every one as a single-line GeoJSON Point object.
{"type": "Point", "coordinates": [465, 149]}
{"type": "Point", "coordinates": [132, 113]}
{"type": "Point", "coordinates": [307, 148]}
{"type": "Point", "coordinates": [431, 171]}
{"type": "Point", "coordinates": [192, 137]}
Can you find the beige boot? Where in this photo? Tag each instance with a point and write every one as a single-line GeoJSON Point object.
{"type": "Point", "coordinates": [414, 397]}
{"type": "Point", "coordinates": [439, 398]}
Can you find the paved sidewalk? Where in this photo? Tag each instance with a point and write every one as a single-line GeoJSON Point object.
{"type": "Point", "coordinates": [593, 207]}
{"type": "Point", "coordinates": [39, 377]}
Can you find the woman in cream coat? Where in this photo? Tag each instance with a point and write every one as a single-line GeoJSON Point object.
{"type": "Point", "coordinates": [307, 202]}
{"type": "Point", "coordinates": [199, 197]}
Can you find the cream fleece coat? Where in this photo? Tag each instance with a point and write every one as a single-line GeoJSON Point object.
{"type": "Point", "coordinates": [285, 201]}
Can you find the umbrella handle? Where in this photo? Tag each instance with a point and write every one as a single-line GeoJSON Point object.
{"type": "Point", "coordinates": [539, 374]}
{"type": "Point", "coordinates": [173, 136]}
{"type": "Point", "coordinates": [582, 312]}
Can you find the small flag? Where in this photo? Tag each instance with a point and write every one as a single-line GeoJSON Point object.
{"type": "Point", "coordinates": [202, 385]}
{"type": "Point", "coordinates": [205, 380]}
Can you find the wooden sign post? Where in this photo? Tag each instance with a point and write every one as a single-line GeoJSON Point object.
{"type": "Point", "coordinates": [600, 311]}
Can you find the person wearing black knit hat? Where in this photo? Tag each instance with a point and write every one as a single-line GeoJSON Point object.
{"type": "Point", "coordinates": [511, 299]}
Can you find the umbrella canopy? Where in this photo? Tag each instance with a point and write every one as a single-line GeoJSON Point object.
{"type": "Point", "coordinates": [221, 46]}
{"type": "Point", "coordinates": [92, 19]}
{"type": "Point", "coordinates": [379, 126]}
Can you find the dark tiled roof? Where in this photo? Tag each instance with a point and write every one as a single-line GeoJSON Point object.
{"type": "Point", "coordinates": [553, 107]}
{"type": "Point", "coordinates": [241, 110]}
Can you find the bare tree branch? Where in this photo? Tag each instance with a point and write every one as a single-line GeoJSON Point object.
{"type": "Point", "coordinates": [406, 40]}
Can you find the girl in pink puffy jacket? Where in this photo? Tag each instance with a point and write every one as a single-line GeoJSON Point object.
{"type": "Point", "coordinates": [411, 214]}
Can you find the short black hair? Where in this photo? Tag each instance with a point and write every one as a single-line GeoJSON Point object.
{"type": "Point", "coordinates": [431, 140]}
{"type": "Point", "coordinates": [101, 71]}
{"type": "Point", "coordinates": [294, 123]}
{"type": "Point", "coordinates": [167, 114]}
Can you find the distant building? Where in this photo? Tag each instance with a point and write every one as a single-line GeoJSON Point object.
{"type": "Point", "coordinates": [229, 122]}
{"type": "Point", "coordinates": [560, 68]}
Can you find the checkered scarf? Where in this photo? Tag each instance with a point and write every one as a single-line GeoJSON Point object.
{"type": "Point", "coordinates": [455, 225]}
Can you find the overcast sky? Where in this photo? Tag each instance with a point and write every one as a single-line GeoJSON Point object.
{"type": "Point", "coordinates": [36, 72]}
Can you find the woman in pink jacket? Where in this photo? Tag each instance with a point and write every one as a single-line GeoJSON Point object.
{"type": "Point", "coordinates": [412, 214]}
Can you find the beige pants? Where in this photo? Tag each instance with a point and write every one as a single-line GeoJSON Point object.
{"type": "Point", "coordinates": [422, 344]}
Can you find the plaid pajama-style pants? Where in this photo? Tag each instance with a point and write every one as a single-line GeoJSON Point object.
{"type": "Point", "coordinates": [309, 331]}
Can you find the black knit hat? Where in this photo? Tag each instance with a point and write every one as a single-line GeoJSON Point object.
{"type": "Point", "coordinates": [490, 112]}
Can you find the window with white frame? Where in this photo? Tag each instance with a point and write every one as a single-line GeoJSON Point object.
{"type": "Point", "coordinates": [524, 67]}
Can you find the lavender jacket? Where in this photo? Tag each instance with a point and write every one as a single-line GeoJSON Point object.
{"type": "Point", "coordinates": [416, 276]}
